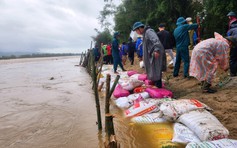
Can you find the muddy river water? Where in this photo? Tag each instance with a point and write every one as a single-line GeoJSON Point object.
{"type": "Point", "coordinates": [49, 103]}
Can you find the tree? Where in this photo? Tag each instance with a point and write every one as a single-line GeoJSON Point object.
{"type": "Point", "coordinates": [102, 37]}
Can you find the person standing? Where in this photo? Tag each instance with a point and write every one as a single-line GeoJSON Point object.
{"type": "Point", "coordinates": [233, 51]}
{"type": "Point", "coordinates": [153, 53]}
{"type": "Point", "coordinates": [139, 48]}
{"type": "Point", "coordinates": [206, 57]}
{"type": "Point", "coordinates": [115, 53]}
{"type": "Point", "coordinates": [190, 33]}
{"type": "Point", "coordinates": [105, 53]}
{"type": "Point", "coordinates": [110, 58]}
{"type": "Point", "coordinates": [167, 41]}
{"type": "Point", "coordinates": [182, 42]}
{"type": "Point", "coordinates": [131, 50]}
{"type": "Point", "coordinates": [232, 20]}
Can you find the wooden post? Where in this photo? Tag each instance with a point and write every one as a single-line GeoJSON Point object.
{"type": "Point", "coordinates": [94, 78]}
{"type": "Point", "coordinates": [111, 134]}
{"type": "Point", "coordinates": [114, 85]}
{"type": "Point", "coordinates": [107, 97]}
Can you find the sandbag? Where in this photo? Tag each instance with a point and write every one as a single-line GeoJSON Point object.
{"type": "Point", "coordinates": [141, 108]}
{"type": "Point", "coordinates": [134, 96]}
{"type": "Point", "coordinates": [222, 143]}
{"type": "Point", "coordinates": [131, 84]}
{"type": "Point", "coordinates": [120, 92]}
{"type": "Point", "coordinates": [183, 134]}
{"type": "Point", "coordinates": [126, 102]}
{"type": "Point", "coordinates": [135, 76]}
{"type": "Point", "coordinates": [159, 93]}
{"type": "Point", "coordinates": [131, 72]}
{"type": "Point", "coordinates": [206, 126]}
{"type": "Point", "coordinates": [173, 109]}
{"type": "Point", "coordinates": [142, 77]}
{"type": "Point", "coordinates": [149, 118]}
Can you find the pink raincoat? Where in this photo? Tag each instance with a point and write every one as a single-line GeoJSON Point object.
{"type": "Point", "coordinates": [206, 56]}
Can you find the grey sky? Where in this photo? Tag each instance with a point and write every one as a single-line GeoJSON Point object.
{"type": "Point", "coordinates": [48, 25]}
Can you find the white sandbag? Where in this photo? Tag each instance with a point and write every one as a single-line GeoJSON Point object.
{"type": "Point", "coordinates": [126, 102]}
{"type": "Point", "coordinates": [206, 126]}
{"type": "Point", "coordinates": [141, 108]}
{"type": "Point", "coordinates": [123, 102]}
{"type": "Point", "coordinates": [131, 84]}
{"type": "Point", "coordinates": [133, 97]}
{"type": "Point", "coordinates": [141, 64]}
{"type": "Point", "coordinates": [149, 118]}
{"type": "Point", "coordinates": [173, 109]}
{"type": "Point", "coordinates": [183, 134]}
{"type": "Point", "coordinates": [222, 143]}
{"type": "Point", "coordinates": [135, 76]}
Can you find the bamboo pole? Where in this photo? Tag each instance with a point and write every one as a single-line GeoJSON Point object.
{"type": "Point", "coordinates": [95, 88]}
{"type": "Point", "coordinates": [114, 85]}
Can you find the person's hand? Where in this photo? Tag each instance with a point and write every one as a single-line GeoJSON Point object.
{"type": "Point", "coordinates": [156, 54]}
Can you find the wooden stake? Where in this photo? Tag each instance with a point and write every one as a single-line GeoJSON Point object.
{"type": "Point", "coordinates": [94, 78]}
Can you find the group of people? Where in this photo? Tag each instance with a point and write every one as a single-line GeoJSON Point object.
{"type": "Point", "coordinates": [206, 55]}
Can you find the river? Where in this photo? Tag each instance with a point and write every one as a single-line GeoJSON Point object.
{"type": "Point", "coordinates": [49, 103]}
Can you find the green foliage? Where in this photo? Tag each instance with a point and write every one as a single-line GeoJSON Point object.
{"type": "Point", "coordinates": [102, 37]}
{"type": "Point", "coordinates": [153, 12]}
{"type": "Point", "coordinates": [216, 20]}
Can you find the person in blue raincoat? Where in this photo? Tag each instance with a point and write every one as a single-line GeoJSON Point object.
{"type": "Point", "coordinates": [115, 53]}
{"type": "Point", "coordinates": [182, 42]}
{"type": "Point", "coordinates": [139, 48]}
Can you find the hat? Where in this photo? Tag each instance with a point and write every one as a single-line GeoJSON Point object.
{"type": "Point", "coordinates": [232, 39]}
{"type": "Point", "coordinates": [161, 25]}
{"type": "Point", "coordinates": [180, 21]}
{"type": "Point", "coordinates": [116, 34]}
{"type": "Point", "coordinates": [137, 25]}
{"type": "Point", "coordinates": [188, 19]}
{"type": "Point", "coordinates": [231, 13]}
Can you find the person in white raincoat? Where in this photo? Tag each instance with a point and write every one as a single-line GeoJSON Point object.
{"type": "Point", "coordinates": [206, 57]}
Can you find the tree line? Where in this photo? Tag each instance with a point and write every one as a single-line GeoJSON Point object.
{"type": "Point", "coordinates": [212, 14]}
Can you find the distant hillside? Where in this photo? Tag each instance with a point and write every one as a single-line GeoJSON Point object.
{"type": "Point", "coordinates": [15, 55]}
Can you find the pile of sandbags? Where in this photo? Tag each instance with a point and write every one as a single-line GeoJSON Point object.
{"type": "Point", "coordinates": [144, 103]}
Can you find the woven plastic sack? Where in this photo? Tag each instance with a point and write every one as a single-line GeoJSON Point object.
{"type": "Point", "coordinates": [222, 143]}
{"type": "Point", "coordinates": [141, 108]}
{"type": "Point", "coordinates": [149, 118]}
{"type": "Point", "coordinates": [183, 134]}
{"type": "Point", "coordinates": [120, 92]}
{"type": "Point", "coordinates": [173, 109]}
{"type": "Point", "coordinates": [206, 126]}
{"type": "Point", "coordinates": [159, 93]}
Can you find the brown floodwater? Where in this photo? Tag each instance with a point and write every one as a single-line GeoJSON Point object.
{"type": "Point", "coordinates": [49, 103]}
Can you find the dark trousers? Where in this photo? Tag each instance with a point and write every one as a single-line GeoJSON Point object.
{"type": "Point", "coordinates": [182, 53]}
{"type": "Point", "coordinates": [233, 61]}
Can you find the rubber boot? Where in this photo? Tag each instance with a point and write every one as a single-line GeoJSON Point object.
{"type": "Point", "coordinates": [206, 88]}
{"type": "Point", "coordinates": [158, 84]}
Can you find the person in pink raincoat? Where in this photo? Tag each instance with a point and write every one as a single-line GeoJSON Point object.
{"type": "Point", "coordinates": [206, 56]}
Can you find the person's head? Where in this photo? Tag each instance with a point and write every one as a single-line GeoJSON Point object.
{"type": "Point", "coordinates": [231, 15]}
{"type": "Point", "coordinates": [161, 26]}
{"type": "Point", "coordinates": [116, 34]}
{"type": "Point", "coordinates": [138, 27]}
{"type": "Point", "coordinates": [232, 41]}
{"type": "Point", "coordinates": [180, 21]}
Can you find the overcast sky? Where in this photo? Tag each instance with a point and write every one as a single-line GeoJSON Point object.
{"type": "Point", "coordinates": [48, 25]}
